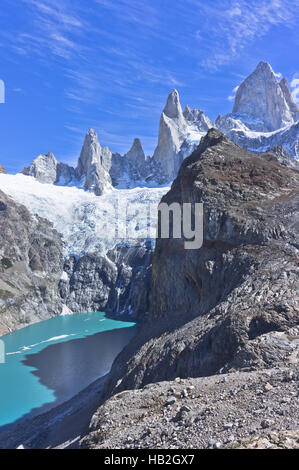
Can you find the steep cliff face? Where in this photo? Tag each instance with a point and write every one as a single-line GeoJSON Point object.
{"type": "Point", "coordinates": [211, 307]}
{"type": "Point", "coordinates": [263, 98]}
{"type": "Point", "coordinates": [289, 99]}
{"type": "Point", "coordinates": [136, 154]}
{"type": "Point", "coordinates": [30, 267]}
{"type": "Point", "coordinates": [118, 282]}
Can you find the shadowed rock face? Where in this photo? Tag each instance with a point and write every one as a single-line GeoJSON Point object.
{"type": "Point", "coordinates": [30, 267]}
{"type": "Point", "coordinates": [210, 306]}
{"type": "Point", "coordinates": [118, 282]}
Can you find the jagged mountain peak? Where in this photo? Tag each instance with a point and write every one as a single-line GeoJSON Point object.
{"type": "Point", "coordinates": [93, 164]}
{"type": "Point", "coordinates": [43, 168]}
{"type": "Point", "coordinates": [92, 134]}
{"type": "Point", "coordinates": [136, 154]}
{"type": "Point", "coordinates": [173, 107]}
{"type": "Point", "coordinates": [2, 169]}
{"type": "Point", "coordinates": [264, 67]}
{"type": "Point", "coordinates": [213, 137]}
{"type": "Point", "coordinates": [261, 97]}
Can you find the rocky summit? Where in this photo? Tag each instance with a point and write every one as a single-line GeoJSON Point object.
{"type": "Point", "coordinates": [2, 170]}
{"type": "Point", "coordinates": [261, 97]}
{"type": "Point", "coordinates": [264, 114]}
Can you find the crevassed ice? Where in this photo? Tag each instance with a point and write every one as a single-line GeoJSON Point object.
{"type": "Point", "coordinates": [88, 222]}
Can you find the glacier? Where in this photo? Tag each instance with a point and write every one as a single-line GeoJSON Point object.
{"type": "Point", "coordinates": [89, 223]}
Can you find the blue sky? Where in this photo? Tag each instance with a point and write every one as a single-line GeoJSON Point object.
{"type": "Point", "coordinates": [69, 65]}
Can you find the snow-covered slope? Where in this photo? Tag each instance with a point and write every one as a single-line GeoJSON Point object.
{"type": "Point", "coordinates": [287, 137]}
{"type": "Point", "coordinates": [88, 222]}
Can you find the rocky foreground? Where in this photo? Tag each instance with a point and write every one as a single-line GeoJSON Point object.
{"type": "Point", "coordinates": [237, 410]}
{"type": "Point", "coordinates": [227, 308]}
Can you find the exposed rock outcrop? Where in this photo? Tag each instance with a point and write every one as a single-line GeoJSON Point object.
{"type": "Point", "coordinates": [198, 118]}
{"type": "Point", "coordinates": [2, 170]}
{"type": "Point", "coordinates": [30, 267]}
{"type": "Point", "coordinates": [209, 306]}
{"type": "Point", "coordinates": [264, 114]}
{"type": "Point", "coordinates": [283, 157]}
{"type": "Point", "coordinates": [92, 171]}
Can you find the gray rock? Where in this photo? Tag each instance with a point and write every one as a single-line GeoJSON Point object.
{"type": "Point", "coordinates": [136, 154]}
{"type": "Point", "coordinates": [172, 132]}
{"type": "Point", "coordinates": [171, 400]}
{"type": "Point", "coordinates": [118, 283]}
{"type": "Point", "coordinates": [262, 97]}
{"type": "Point", "coordinates": [289, 99]}
{"type": "Point", "coordinates": [94, 164]}
{"type": "Point", "coordinates": [43, 168]}
{"type": "Point", "coordinates": [31, 266]}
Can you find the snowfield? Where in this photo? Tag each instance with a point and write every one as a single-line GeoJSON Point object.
{"type": "Point", "coordinates": [89, 223]}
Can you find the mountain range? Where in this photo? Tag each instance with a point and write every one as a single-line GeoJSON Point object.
{"type": "Point", "coordinates": [264, 115]}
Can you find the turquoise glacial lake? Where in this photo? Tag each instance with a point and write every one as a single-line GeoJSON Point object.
{"type": "Point", "coordinates": [48, 363]}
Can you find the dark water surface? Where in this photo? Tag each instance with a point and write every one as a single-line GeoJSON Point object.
{"type": "Point", "coordinates": [49, 362]}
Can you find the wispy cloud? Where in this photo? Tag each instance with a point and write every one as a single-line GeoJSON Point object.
{"type": "Point", "coordinates": [54, 24]}
{"type": "Point", "coordinates": [233, 95]}
{"type": "Point", "coordinates": [237, 24]}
